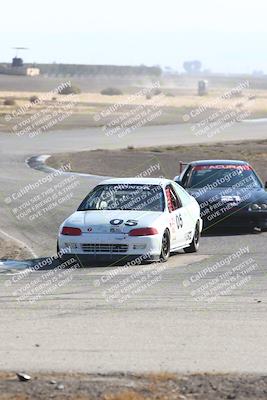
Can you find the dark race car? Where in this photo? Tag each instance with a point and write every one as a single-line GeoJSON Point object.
{"type": "Point", "coordinates": [229, 193]}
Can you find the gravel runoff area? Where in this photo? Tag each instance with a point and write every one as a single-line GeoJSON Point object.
{"type": "Point", "coordinates": [160, 386]}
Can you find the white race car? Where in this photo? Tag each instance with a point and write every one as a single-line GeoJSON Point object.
{"type": "Point", "coordinates": [132, 217]}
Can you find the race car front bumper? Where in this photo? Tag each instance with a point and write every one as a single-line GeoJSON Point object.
{"type": "Point", "coordinates": [86, 260]}
{"type": "Point", "coordinates": [109, 247]}
{"type": "Point", "coordinates": [237, 218]}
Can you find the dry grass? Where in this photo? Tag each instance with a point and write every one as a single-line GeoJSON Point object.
{"type": "Point", "coordinates": [161, 377]}
{"type": "Point", "coordinates": [172, 109]}
{"type": "Point", "coordinates": [125, 395]}
{"type": "Point", "coordinates": [7, 396]}
{"type": "Point", "coordinates": [186, 100]}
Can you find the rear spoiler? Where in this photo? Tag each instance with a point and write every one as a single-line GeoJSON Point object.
{"type": "Point", "coordinates": [182, 164]}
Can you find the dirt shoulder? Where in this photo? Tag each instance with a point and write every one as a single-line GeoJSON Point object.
{"type": "Point", "coordinates": [165, 386]}
{"type": "Point", "coordinates": [160, 161]}
{"type": "Point", "coordinates": [12, 250]}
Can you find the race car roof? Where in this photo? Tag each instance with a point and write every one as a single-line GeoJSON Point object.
{"type": "Point", "coordinates": [218, 162]}
{"type": "Point", "coordinates": [136, 181]}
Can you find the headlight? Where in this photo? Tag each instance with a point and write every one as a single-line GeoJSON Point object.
{"type": "Point", "coordinates": [255, 207]}
{"type": "Point", "coordinates": [258, 207]}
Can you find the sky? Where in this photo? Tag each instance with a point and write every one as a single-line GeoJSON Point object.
{"type": "Point", "coordinates": [226, 35]}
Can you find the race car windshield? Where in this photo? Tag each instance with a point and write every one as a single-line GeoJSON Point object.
{"type": "Point", "coordinates": [125, 197]}
{"type": "Point", "coordinates": [219, 176]}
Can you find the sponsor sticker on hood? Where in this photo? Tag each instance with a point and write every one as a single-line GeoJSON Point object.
{"type": "Point", "coordinates": [231, 199]}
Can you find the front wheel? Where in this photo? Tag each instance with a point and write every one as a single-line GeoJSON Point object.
{"type": "Point", "coordinates": [165, 246]}
{"type": "Point", "coordinates": [194, 245]}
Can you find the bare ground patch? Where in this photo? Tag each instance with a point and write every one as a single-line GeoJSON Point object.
{"type": "Point", "coordinates": [12, 250]}
{"type": "Point", "coordinates": [161, 386]}
{"type": "Point", "coordinates": [138, 161]}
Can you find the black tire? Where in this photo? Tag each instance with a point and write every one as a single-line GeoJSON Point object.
{"type": "Point", "coordinates": [165, 246]}
{"type": "Point", "coordinates": [194, 245]}
{"type": "Point", "coordinates": [57, 247]}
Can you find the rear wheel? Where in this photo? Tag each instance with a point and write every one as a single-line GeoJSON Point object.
{"type": "Point", "coordinates": [165, 246]}
{"type": "Point", "coordinates": [194, 245]}
{"type": "Point", "coordinates": [57, 247]}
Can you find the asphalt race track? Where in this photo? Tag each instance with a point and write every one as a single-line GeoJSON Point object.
{"type": "Point", "coordinates": [182, 321]}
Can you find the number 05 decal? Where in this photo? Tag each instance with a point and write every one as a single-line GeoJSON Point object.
{"type": "Point", "coordinates": [129, 222]}
{"type": "Point", "coordinates": [116, 221]}
{"type": "Point", "coordinates": [179, 221]}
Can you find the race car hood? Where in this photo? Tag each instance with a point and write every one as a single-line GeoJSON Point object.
{"type": "Point", "coordinates": [229, 195]}
{"type": "Point", "coordinates": [108, 221]}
